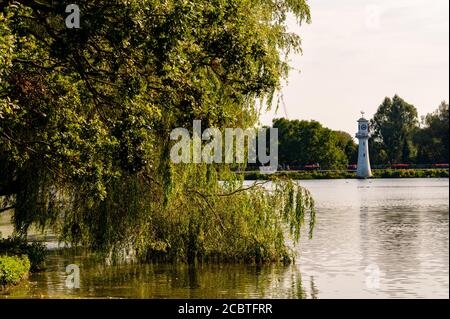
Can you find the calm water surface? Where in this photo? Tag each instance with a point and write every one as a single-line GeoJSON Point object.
{"type": "Point", "coordinates": [373, 239]}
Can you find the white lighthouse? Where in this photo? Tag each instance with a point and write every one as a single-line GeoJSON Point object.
{"type": "Point", "coordinates": [363, 170]}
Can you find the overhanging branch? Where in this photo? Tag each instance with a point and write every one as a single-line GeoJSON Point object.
{"type": "Point", "coordinates": [6, 209]}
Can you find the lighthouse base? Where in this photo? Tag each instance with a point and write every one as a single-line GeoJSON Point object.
{"type": "Point", "coordinates": [363, 170]}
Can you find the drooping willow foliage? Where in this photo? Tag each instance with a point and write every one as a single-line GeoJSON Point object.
{"type": "Point", "coordinates": [85, 118]}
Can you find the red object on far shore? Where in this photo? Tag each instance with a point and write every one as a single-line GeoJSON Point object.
{"type": "Point", "coordinates": [400, 165]}
{"type": "Point", "coordinates": [440, 165]}
{"type": "Point", "coordinates": [313, 166]}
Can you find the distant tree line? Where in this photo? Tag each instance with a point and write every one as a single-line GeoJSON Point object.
{"type": "Point", "coordinates": [397, 137]}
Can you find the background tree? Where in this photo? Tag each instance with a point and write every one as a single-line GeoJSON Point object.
{"type": "Point", "coordinates": [432, 140]}
{"type": "Point", "coordinates": [304, 142]}
{"type": "Point", "coordinates": [346, 143]}
{"type": "Point", "coordinates": [392, 128]}
{"type": "Point", "coordinates": [378, 153]}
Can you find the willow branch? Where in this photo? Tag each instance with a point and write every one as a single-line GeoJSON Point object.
{"type": "Point", "coordinates": [2, 210]}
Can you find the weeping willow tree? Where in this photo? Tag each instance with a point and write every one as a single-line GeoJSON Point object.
{"type": "Point", "coordinates": [86, 115]}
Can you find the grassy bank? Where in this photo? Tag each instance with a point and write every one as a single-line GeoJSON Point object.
{"type": "Point", "coordinates": [17, 259]}
{"type": "Point", "coordinates": [35, 252]}
{"type": "Point", "coordinates": [13, 269]}
{"type": "Point", "coordinates": [385, 173]}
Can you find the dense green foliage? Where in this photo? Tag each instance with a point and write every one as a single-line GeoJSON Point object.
{"type": "Point", "coordinates": [85, 117]}
{"type": "Point", "coordinates": [432, 139]}
{"type": "Point", "coordinates": [35, 251]}
{"type": "Point", "coordinates": [13, 269]}
{"type": "Point", "coordinates": [304, 142]}
{"type": "Point", "coordinates": [346, 142]}
{"type": "Point", "coordinates": [398, 138]}
{"type": "Point", "coordinates": [392, 128]}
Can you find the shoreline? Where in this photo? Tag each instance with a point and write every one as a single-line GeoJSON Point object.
{"type": "Point", "coordinates": [377, 174]}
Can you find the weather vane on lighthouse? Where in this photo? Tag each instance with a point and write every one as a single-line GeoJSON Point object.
{"type": "Point", "coordinates": [363, 170]}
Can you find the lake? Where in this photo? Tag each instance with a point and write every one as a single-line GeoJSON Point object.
{"type": "Point", "coordinates": [381, 238]}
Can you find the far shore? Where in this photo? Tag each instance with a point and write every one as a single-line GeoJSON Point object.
{"type": "Point", "coordinates": [377, 173]}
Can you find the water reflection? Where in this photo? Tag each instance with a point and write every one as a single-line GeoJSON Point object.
{"type": "Point", "coordinates": [163, 280]}
{"type": "Point", "coordinates": [397, 227]}
{"type": "Point", "coordinates": [400, 226]}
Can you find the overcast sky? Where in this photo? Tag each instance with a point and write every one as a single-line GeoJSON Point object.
{"type": "Point", "coordinates": [356, 52]}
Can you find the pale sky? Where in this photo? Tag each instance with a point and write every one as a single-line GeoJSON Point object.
{"type": "Point", "coordinates": [356, 52]}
